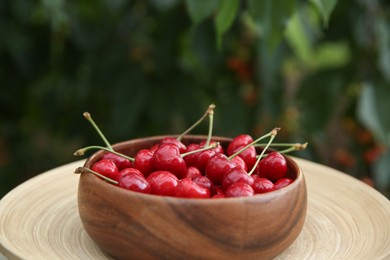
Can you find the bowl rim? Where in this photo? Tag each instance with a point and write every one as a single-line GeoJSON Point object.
{"type": "Point", "coordinates": [298, 180]}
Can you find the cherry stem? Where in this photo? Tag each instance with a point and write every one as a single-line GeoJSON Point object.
{"type": "Point", "coordinates": [209, 110]}
{"type": "Point", "coordinates": [281, 144]}
{"type": "Point", "coordinates": [84, 169]}
{"type": "Point", "coordinates": [294, 147]}
{"type": "Point", "coordinates": [213, 145]}
{"type": "Point", "coordinates": [89, 118]}
{"type": "Point", "coordinates": [211, 124]}
{"type": "Point", "coordinates": [273, 133]}
{"type": "Point", "coordinates": [82, 151]}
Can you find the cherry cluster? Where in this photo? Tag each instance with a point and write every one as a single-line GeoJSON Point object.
{"type": "Point", "coordinates": [197, 170]}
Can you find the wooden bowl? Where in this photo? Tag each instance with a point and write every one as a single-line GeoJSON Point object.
{"type": "Point", "coordinates": [127, 224]}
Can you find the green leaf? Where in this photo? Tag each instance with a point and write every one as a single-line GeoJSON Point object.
{"type": "Point", "coordinates": [272, 17]}
{"type": "Point", "coordinates": [225, 17]}
{"type": "Point", "coordinates": [199, 10]}
{"type": "Point", "coordinates": [298, 39]}
{"type": "Point", "coordinates": [325, 8]}
{"type": "Point", "coordinates": [382, 28]}
{"type": "Point", "coordinates": [372, 110]}
{"type": "Point", "coordinates": [382, 172]}
{"type": "Point", "coordinates": [331, 55]}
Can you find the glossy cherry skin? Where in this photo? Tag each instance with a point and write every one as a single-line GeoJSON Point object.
{"type": "Point", "coordinates": [107, 168]}
{"type": "Point", "coordinates": [163, 183]}
{"type": "Point", "coordinates": [203, 158]}
{"type": "Point", "coordinates": [120, 162]}
{"type": "Point", "coordinates": [272, 167]}
{"type": "Point", "coordinates": [239, 162]}
{"type": "Point", "coordinates": [217, 193]}
{"type": "Point", "coordinates": [283, 182]}
{"type": "Point", "coordinates": [204, 182]}
{"type": "Point", "coordinates": [143, 161]}
{"type": "Point", "coordinates": [130, 170]}
{"type": "Point", "coordinates": [187, 188]}
{"type": "Point", "coordinates": [132, 179]}
{"type": "Point", "coordinates": [239, 189]}
{"type": "Point", "coordinates": [167, 158]}
{"type": "Point", "coordinates": [192, 172]}
{"type": "Point", "coordinates": [248, 155]}
{"type": "Point", "coordinates": [217, 167]}
{"type": "Point", "coordinates": [262, 185]}
{"type": "Point", "coordinates": [191, 158]}
{"type": "Point", "coordinates": [235, 175]}
{"type": "Point", "coordinates": [154, 148]}
{"type": "Point", "coordinates": [238, 141]}
{"type": "Point", "coordinates": [218, 196]}
{"type": "Point", "coordinates": [171, 140]}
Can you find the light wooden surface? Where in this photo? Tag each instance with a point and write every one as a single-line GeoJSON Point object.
{"type": "Point", "coordinates": [346, 219]}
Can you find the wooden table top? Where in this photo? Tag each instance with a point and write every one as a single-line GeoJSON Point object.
{"type": "Point", "coordinates": [346, 218]}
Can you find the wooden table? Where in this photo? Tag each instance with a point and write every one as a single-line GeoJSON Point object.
{"type": "Point", "coordinates": [346, 219]}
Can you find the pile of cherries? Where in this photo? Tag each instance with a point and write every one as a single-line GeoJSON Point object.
{"type": "Point", "coordinates": [196, 170]}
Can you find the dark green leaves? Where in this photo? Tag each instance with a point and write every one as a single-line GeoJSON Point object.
{"type": "Point", "coordinates": [318, 98]}
{"type": "Point", "coordinates": [382, 171]}
{"type": "Point", "coordinates": [382, 31]}
{"type": "Point", "coordinates": [198, 10]}
{"type": "Point", "coordinates": [227, 11]}
{"type": "Point", "coordinates": [373, 109]}
{"type": "Point", "coordinates": [272, 17]}
{"type": "Point", "coordinates": [325, 8]}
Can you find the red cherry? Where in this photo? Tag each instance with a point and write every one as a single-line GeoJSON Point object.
{"type": "Point", "coordinates": [248, 155]}
{"type": "Point", "coordinates": [132, 179]}
{"type": "Point", "coordinates": [238, 141]}
{"type": "Point", "coordinates": [217, 167]}
{"type": "Point", "coordinates": [163, 183]}
{"type": "Point", "coordinates": [130, 170]}
{"type": "Point", "coordinates": [120, 162]}
{"type": "Point", "coordinates": [262, 185]}
{"type": "Point", "coordinates": [239, 162]}
{"type": "Point", "coordinates": [143, 161]}
{"type": "Point", "coordinates": [218, 190]}
{"type": "Point", "coordinates": [203, 158]}
{"type": "Point", "coordinates": [235, 175]}
{"type": "Point", "coordinates": [272, 167]}
{"type": "Point", "coordinates": [171, 140]}
{"type": "Point", "coordinates": [167, 158]}
{"type": "Point", "coordinates": [239, 189]}
{"type": "Point", "coordinates": [192, 172]}
{"type": "Point", "coordinates": [191, 158]}
{"type": "Point", "coordinates": [218, 196]}
{"type": "Point", "coordinates": [186, 188]}
{"type": "Point", "coordinates": [154, 148]}
{"type": "Point", "coordinates": [204, 182]}
{"type": "Point", "coordinates": [107, 168]}
{"type": "Point", "coordinates": [283, 182]}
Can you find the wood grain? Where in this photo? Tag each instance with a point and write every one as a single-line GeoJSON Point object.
{"type": "Point", "coordinates": [346, 219]}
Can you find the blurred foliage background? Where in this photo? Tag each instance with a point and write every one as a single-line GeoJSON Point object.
{"type": "Point", "coordinates": [320, 69]}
